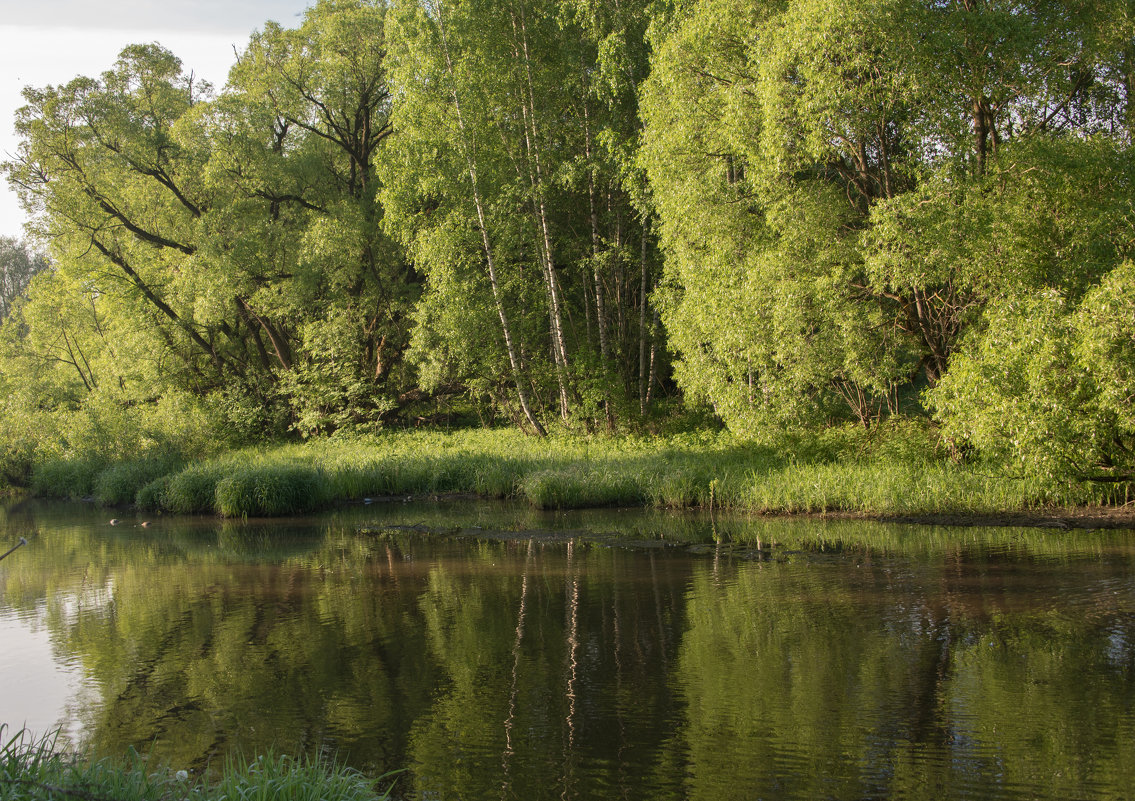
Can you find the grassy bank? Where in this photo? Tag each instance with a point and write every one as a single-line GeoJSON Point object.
{"type": "Point", "coordinates": [894, 470]}
{"type": "Point", "coordinates": [37, 769]}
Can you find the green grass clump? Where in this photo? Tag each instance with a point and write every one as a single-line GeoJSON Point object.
{"type": "Point", "coordinates": [152, 496]}
{"type": "Point", "coordinates": [194, 489]}
{"type": "Point", "coordinates": [283, 777]}
{"type": "Point", "coordinates": [581, 488]}
{"type": "Point", "coordinates": [120, 483]}
{"type": "Point", "coordinates": [267, 490]}
{"type": "Point", "coordinates": [35, 770]}
{"type": "Point", "coordinates": [66, 478]}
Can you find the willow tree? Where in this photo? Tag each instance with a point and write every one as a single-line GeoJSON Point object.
{"type": "Point", "coordinates": [296, 139]}
{"type": "Point", "coordinates": [771, 130]}
{"type": "Point", "coordinates": [117, 190]}
{"type": "Point", "coordinates": [234, 240]}
{"type": "Point", "coordinates": [825, 179]}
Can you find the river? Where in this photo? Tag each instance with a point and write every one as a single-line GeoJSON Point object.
{"type": "Point", "coordinates": [496, 652]}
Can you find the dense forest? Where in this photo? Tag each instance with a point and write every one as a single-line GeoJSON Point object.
{"type": "Point", "coordinates": [583, 214]}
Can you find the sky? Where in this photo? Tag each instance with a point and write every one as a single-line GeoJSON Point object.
{"type": "Point", "coordinates": [49, 42]}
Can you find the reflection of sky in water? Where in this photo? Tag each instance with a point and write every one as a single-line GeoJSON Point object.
{"type": "Point", "coordinates": [36, 687]}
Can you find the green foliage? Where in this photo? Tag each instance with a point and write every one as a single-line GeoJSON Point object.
{"type": "Point", "coordinates": [18, 265]}
{"type": "Point", "coordinates": [1046, 384]}
{"type": "Point", "coordinates": [764, 296]}
{"type": "Point", "coordinates": [301, 779]}
{"type": "Point", "coordinates": [1105, 346]}
{"type": "Point", "coordinates": [834, 215]}
{"type": "Point", "coordinates": [839, 215]}
{"type": "Point", "coordinates": [580, 488]}
{"type": "Point", "coordinates": [151, 497]}
{"type": "Point", "coordinates": [525, 225]}
{"type": "Point", "coordinates": [224, 247]}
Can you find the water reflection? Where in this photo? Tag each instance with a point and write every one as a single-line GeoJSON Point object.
{"type": "Point", "coordinates": [758, 659]}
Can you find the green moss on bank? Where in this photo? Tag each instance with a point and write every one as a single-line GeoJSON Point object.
{"type": "Point", "coordinates": [895, 469]}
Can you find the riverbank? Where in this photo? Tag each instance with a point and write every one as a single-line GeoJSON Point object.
{"type": "Point", "coordinates": [892, 472]}
{"type": "Point", "coordinates": [38, 768]}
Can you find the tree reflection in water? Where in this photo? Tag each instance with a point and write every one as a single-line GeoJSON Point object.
{"type": "Point", "coordinates": [853, 661]}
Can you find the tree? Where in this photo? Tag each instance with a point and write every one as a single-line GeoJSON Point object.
{"type": "Point", "coordinates": [307, 115]}
{"type": "Point", "coordinates": [766, 144]}
{"type": "Point", "coordinates": [502, 100]}
{"type": "Point", "coordinates": [857, 200]}
{"type": "Point", "coordinates": [237, 237]}
{"type": "Point", "coordinates": [18, 266]}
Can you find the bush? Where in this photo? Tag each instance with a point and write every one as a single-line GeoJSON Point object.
{"type": "Point", "coordinates": [152, 496]}
{"type": "Point", "coordinates": [1045, 386]}
{"type": "Point", "coordinates": [16, 461]}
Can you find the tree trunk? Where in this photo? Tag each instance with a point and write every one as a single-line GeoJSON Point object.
{"type": "Point", "coordinates": [498, 300]}
{"type": "Point", "coordinates": [536, 179]}
{"type": "Point", "coordinates": [642, 378]}
{"type": "Point", "coordinates": [596, 272]}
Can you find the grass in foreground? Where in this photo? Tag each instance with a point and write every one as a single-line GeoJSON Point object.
{"type": "Point", "coordinates": [33, 769]}
{"type": "Point", "coordinates": [894, 470]}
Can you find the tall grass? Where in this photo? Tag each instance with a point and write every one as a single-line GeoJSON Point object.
{"type": "Point", "coordinates": [119, 484]}
{"type": "Point", "coordinates": [271, 490]}
{"type": "Point", "coordinates": [33, 769]}
{"type": "Point", "coordinates": [885, 472]}
{"type": "Point", "coordinates": [194, 489]}
{"type": "Point", "coordinates": [66, 478]}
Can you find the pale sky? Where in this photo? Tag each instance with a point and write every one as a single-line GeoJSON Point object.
{"type": "Point", "coordinates": [46, 42]}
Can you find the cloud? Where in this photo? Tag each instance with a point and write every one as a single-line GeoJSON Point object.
{"type": "Point", "coordinates": [200, 16]}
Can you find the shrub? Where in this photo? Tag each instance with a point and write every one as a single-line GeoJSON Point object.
{"type": "Point", "coordinates": [152, 496]}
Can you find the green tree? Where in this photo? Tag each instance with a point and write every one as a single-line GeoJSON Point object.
{"type": "Point", "coordinates": [18, 265]}
{"type": "Point", "coordinates": [862, 206]}
{"type": "Point", "coordinates": [233, 243]}
{"type": "Point", "coordinates": [525, 217]}
{"type": "Point", "coordinates": [767, 141]}
{"type": "Point", "coordinates": [302, 126]}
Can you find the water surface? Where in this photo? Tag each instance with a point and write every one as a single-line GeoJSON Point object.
{"type": "Point", "coordinates": [712, 659]}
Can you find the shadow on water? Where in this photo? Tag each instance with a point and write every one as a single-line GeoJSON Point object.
{"type": "Point", "coordinates": [500, 652]}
